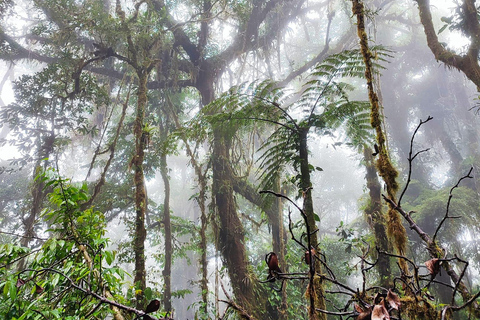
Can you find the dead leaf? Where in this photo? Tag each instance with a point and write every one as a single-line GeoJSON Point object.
{"type": "Point", "coordinates": [363, 314]}
{"type": "Point", "coordinates": [38, 289]}
{"type": "Point", "coordinates": [358, 308]}
{"type": "Point", "coordinates": [308, 254]}
{"type": "Point", "coordinates": [20, 282]}
{"type": "Point", "coordinates": [393, 299]}
{"type": "Point", "coordinates": [367, 315]}
{"type": "Point", "coordinates": [433, 266]}
{"type": "Point", "coordinates": [380, 312]}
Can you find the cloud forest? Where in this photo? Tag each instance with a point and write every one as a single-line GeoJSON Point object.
{"type": "Point", "coordinates": [249, 159]}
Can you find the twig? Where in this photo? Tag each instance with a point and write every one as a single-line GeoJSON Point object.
{"type": "Point", "coordinates": [415, 267]}
{"type": "Point", "coordinates": [234, 305]}
{"type": "Point", "coordinates": [20, 258]}
{"type": "Point", "coordinates": [450, 196]}
{"type": "Point", "coordinates": [460, 278]}
{"type": "Point", "coordinates": [350, 313]}
{"type": "Point", "coordinates": [411, 158]}
{"type": "Point", "coordinates": [22, 236]}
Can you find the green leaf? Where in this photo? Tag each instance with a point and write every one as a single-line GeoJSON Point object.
{"type": "Point", "coordinates": [148, 293]}
{"type": "Point", "coordinates": [442, 28]}
{"type": "Point", "coordinates": [109, 257]}
{"type": "Point", "coordinates": [6, 289]}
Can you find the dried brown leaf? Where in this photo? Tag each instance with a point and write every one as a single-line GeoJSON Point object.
{"type": "Point", "coordinates": [38, 289]}
{"type": "Point", "coordinates": [366, 315]}
{"type": "Point", "coordinates": [393, 299]}
{"type": "Point", "coordinates": [380, 312]}
{"type": "Point", "coordinates": [433, 266]}
{"type": "Point", "coordinates": [358, 308]}
{"type": "Point", "coordinates": [20, 282]}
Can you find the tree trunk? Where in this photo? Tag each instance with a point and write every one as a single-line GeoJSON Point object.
{"type": "Point", "coordinates": [231, 245]}
{"type": "Point", "coordinates": [315, 290]}
{"type": "Point", "coordinates": [167, 271]}
{"type": "Point", "coordinates": [140, 191]}
{"type": "Point", "coordinates": [203, 245]}
{"type": "Point", "coordinates": [231, 235]}
{"type": "Point", "coordinates": [45, 147]}
{"type": "Point", "coordinates": [278, 244]}
{"type": "Point", "coordinates": [202, 186]}
{"type": "Point", "coordinates": [274, 214]}
{"type": "Point", "coordinates": [377, 219]}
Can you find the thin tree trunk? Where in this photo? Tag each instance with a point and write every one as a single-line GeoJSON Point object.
{"type": "Point", "coordinates": [45, 149]}
{"type": "Point", "coordinates": [377, 219]}
{"type": "Point", "coordinates": [203, 246]}
{"type": "Point", "coordinates": [202, 186]}
{"type": "Point", "coordinates": [315, 290]}
{"type": "Point", "coordinates": [278, 244]}
{"type": "Point", "coordinates": [386, 170]}
{"type": "Point", "coordinates": [140, 191]}
{"type": "Point", "coordinates": [167, 271]}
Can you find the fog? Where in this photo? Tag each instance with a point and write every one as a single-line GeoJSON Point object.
{"type": "Point", "coordinates": [80, 118]}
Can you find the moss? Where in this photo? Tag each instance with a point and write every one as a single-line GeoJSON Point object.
{"type": "Point", "coordinates": [396, 230]}
{"type": "Point", "coordinates": [418, 308]}
{"type": "Point", "coordinates": [386, 170]}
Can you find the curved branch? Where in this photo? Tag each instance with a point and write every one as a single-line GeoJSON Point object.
{"type": "Point", "coordinates": [450, 196]}
{"type": "Point", "coordinates": [467, 63]}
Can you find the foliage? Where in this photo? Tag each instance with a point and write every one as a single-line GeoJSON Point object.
{"type": "Point", "coordinates": [46, 116]}
{"type": "Point", "coordinates": [322, 104]}
{"type": "Point", "coordinates": [56, 277]}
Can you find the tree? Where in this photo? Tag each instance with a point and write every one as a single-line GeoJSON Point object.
{"type": "Point", "coordinates": [324, 105]}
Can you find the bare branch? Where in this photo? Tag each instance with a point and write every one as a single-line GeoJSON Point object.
{"type": "Point", "coordinates": [411, 158]}
{"type": "Point", "coordinates": [450, 196]}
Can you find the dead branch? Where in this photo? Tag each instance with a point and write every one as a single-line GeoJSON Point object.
{"type": "Point", "coordinates": [450, 196]}
{"type": "Point", "coordinates": [411, 158]}
{"type": "Point", "coordinates": [243, 313]}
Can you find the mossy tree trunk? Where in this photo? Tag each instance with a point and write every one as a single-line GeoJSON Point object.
{"type": "Point", "coordinates": [315, 289]}
{"type": "Point", "coordinates": [167, 271]}
{"type": "Point", "coordinates": [140, 190]}
{"type": "Point", "coordinates": [395, 229]}
{"type": "Point", "coordinates": [44, 150]}
{"type": "Point", "coordinates": [376, 219]}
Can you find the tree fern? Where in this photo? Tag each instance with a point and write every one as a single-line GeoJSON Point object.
{"type": "Point", "coordinates": [322, 103]}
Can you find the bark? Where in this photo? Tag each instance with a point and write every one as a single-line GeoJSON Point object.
{"type": "Point", "coordinates": [167, 271]}
{"type": "Point", "coordinates": [140, 191]}
{"type": "Point", "coordinates": [274, 213]}
{"type": "Point", "coordinates": [377, 220]}
{"type": "Point", "coordinates": [315, 290]}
